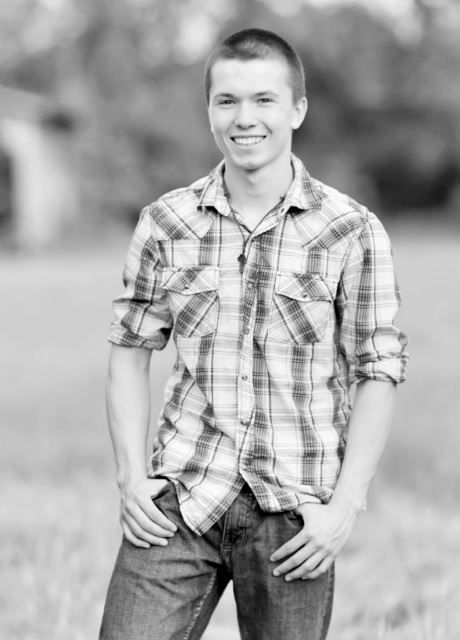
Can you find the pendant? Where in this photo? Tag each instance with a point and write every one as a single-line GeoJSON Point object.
{"type": "Point", "coordinates": [242, 261]}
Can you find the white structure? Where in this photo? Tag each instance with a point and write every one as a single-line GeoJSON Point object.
{"type": "Point", "coordinates": [36, 137]}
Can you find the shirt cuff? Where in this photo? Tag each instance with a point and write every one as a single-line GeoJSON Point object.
{"type": "Point", "coordinates": [123, 337]}
{"type": "Point", "coordinates": [384, 370]}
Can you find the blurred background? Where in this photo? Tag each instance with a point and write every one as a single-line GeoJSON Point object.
{"type": "Point", "coordinates": [101, 111]}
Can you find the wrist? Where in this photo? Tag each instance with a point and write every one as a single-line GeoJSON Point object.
{"type": "Point", "coordinates": [130, 477]}
{"type": "Point", "coordinates": [350, 502]}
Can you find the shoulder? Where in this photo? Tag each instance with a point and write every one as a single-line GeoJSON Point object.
{"type": "Point", "coordinates": [331, 220]}
{"type": "Point", "coordinates": [345, 215]}
{"type": "Point", "coordinates": [176, 214]}
{"type": "Point", "coordinates": [336, 204]}
{"type": "Point", "coordinates": [178, 200]}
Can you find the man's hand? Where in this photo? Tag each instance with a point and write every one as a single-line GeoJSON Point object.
{"type": "Point", "coordinates": [325, 532]}
{"type": "Point", "coordinates": [142, 522]}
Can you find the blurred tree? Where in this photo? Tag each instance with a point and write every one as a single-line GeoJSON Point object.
{"type": "Point", "coordinates": [5, 193]}
{"type": "Point", "coordinates": [384, 102]}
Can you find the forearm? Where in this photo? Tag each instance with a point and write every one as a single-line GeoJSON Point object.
{"type": "Point", "coordinates": [128, 410]}
{"type": "Point", "coordinates": [326, 530]}
{"type": "Point", "coordinates": [368, 431]}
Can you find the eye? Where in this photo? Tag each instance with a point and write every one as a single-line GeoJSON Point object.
{"type": "Point", "coordinates": [265, 100]}
{"type": "Point", "coordinates": [225, 103]}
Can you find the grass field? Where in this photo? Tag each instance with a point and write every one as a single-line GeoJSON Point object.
{"type": "Point", "coordinates": [399, 576]}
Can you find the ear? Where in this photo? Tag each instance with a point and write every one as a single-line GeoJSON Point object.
{"type": "Point", "coordinates": [300, 110]}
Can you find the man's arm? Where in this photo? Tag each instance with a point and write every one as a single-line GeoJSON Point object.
{"type": "Point", "coordinates": [366, 303]}
{"type": "Point", "coordinates": [128, 411]}
{"type": "Point", "coordinates": [327, 527]}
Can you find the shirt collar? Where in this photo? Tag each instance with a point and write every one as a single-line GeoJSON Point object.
{"type": "Point", "coordinates": [303, 194]}
{"type": "Point", "coordinates": [213, 194]}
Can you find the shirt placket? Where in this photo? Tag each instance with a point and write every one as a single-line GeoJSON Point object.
{"type": "Point", "coordinates": [245, 384]}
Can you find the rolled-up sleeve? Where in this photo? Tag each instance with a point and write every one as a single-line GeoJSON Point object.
{"type": "Point", "coordinates": [368, 300]}
{"type": "Point", "coordinates": [142, 315]}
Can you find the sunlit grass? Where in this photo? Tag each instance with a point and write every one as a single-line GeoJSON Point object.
{"type": "Point", "coordinates": [399, 576]}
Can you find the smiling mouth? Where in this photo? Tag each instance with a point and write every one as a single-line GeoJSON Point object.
{"type": "Point", "coordinates": [249, 141]}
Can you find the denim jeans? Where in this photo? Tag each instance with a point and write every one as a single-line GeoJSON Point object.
{"type": "Point", "coordinates": [169, 593]}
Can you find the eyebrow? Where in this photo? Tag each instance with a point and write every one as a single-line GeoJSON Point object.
{"type": "Point", "coordinates": [224, 94]}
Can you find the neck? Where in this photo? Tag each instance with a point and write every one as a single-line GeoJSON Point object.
{"type": "Point", "coordinates": [260, 190]}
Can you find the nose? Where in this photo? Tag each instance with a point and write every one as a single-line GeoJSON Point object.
{"type": "Point", "coordinates": [245, 116]}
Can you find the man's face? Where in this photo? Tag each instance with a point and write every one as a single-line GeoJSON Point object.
{"type": "Point", "coordinates": [252, 111]}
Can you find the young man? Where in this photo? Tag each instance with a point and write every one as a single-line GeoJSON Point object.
{"type": "Point", "coordinates": [281, 294]}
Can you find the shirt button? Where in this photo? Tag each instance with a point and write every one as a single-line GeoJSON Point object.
{"type": "Point", "coordinates": [245, 423]}
{"type": "Point", "coordinates": [246, 331]}
{"type": "Point", "coordinates": [250, 285]}
{"type": "Point", "coordinates": [244, 378]}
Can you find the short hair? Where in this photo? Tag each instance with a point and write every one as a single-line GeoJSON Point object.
{"type": "Point", "coordinates": [252, 44]}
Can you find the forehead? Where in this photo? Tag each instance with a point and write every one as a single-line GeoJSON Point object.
{"type": "Point", "coordinates": [241, 76]}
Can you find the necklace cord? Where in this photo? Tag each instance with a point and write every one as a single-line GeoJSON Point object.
{"type": "Point", "coordinates": [242, 257]}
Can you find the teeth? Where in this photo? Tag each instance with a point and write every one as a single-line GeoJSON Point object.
{"type": "Point", "coordinates": [248, 141]}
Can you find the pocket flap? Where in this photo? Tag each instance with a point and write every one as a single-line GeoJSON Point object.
{"type": "Point", "coordinates": [305, 286]}
{"type": "Point", "coordinates": [190, 280]}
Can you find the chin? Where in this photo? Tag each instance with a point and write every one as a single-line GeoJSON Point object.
{"type": "Point", "coordinates": [249, 164]}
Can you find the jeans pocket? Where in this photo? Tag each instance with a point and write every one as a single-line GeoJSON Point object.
{"type": "Point", "coordinates": [163, 491]}
{"type": "Point", "coordinates": [292, 514]}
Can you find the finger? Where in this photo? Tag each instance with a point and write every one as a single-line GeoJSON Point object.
{"type": "Point", "coordinates": [290, 547]}
{"type": "Point", "coordinates": [149, 525]}
{"type": "Point", "coordinates": [141, 534]}
{"type": "Point", "coordinates": [297, 559]}
{"type": "Point", "coordinates": [306, 567]}
{"type": "Point", "coordinates": [322, 568]}
{"type": "Point", "coordinates": [153, 512]}
{"type": "Point", "coordinates": [129, 535]}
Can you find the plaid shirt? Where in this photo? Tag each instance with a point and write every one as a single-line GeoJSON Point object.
{"type": "Point", "coordinates": [265, 359]}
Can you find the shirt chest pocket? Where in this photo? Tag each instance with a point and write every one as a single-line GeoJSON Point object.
{"type": "Point", "coordinates": [193, 299]}
{"type": "Point", "coordinates": [302, 303]}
